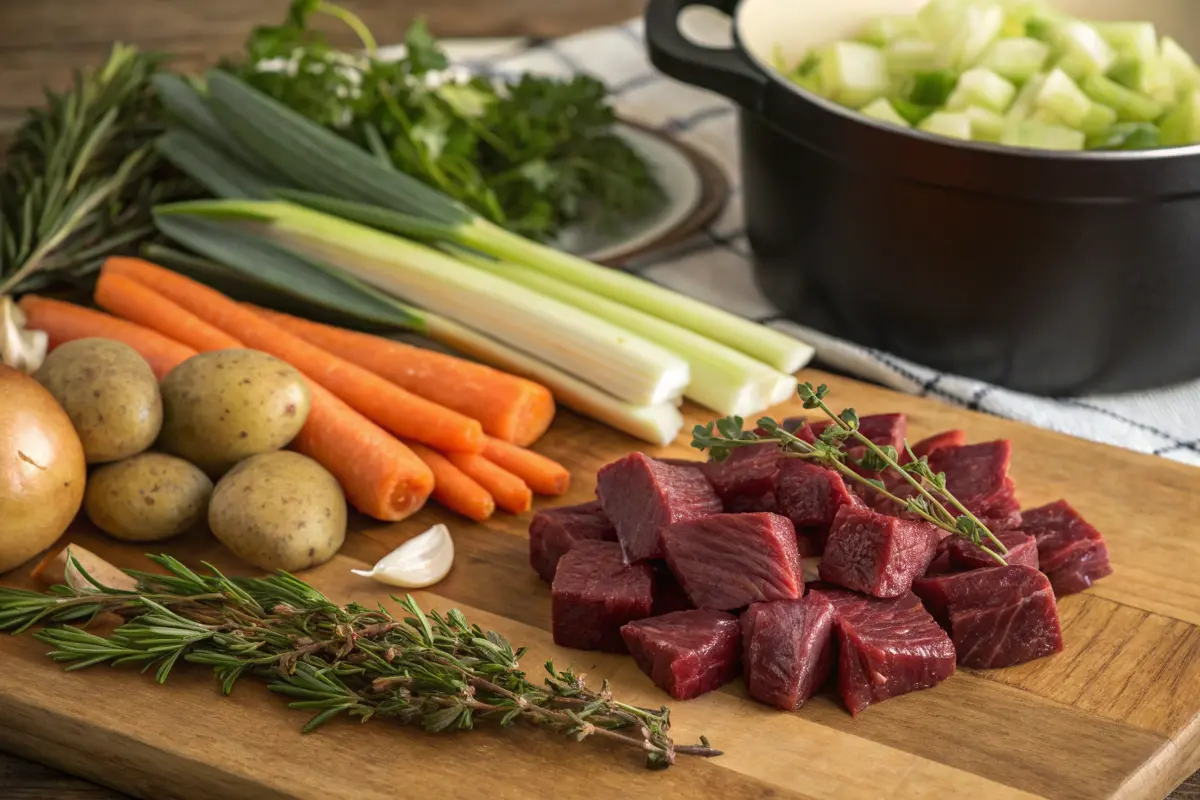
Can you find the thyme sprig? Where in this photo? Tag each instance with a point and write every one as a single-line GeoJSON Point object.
{"type": "Point", "coordinates": [433, 670]}
{"type": "Point", "coordinates": [930, 502]}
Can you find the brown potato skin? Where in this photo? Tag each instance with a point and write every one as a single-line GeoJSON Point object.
{"type": "Point", "coordinates": [147, 498]}
{"type": "Point", "coordinates": [42, 469]}
{"type": "Point", "coordinates": [110, 394]}
{"type": "Point", "coordinates": [227, 405]}
{"type": "Point", "coordinates": [279, 511]}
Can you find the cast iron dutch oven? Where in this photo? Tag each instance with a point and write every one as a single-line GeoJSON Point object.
{"type": "Point", "coordinates": [1046, 272]}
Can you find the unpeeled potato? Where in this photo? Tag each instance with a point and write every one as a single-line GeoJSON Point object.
{"type": "Point", "coordinates": [42, 469]}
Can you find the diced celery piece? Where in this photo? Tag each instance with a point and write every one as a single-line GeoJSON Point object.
{"type": "Point", "coordinates": [1130, 106]}
{"type": "Point", "coordinates": [1029, 133]}
{"type": "Point", "coordinates": [883, 30]}
{"type": "Point", "coordinates": [1018, 12]}
{"type": "Point", "coordinates": [933, 88]}
{"type": "Point", "coordinates": [1157, 81]}
{"type": "Point", "coordinates": [1040, 28]}
{"type": "Point", "coordinates": [986, 125]}
{"type": "Point", "coordinates": [1182, 125]}
{"type": "Point", "coordinates": [911, 111]}
{"type": "Point", "coordinates": [946, 123]}
{"type": "Point", "coordinates": [1062, 97]}
{"type": "Point", "coordinates": [1017, 59]}
{"type": "Point", "coordinates": [1184, 71]}
{"type": "Point", "coordinates": [853, 73]}
{"type": "Point", "coordinates": [1098, 119]}
{"type": "Point", "coordinates": [1126, 72]}
{"type": "Point", "coordinates": [1136, 41]}
{"type": "Point", "coordinates": [1026, 102]}
{"type": "Point", "coordinates": [883, 111]}
{"type": "Point", "coordinates": [906, 56]}
{"type": "Point", "coordinates": [1127, 136]}
{"type": "Point", "coordinates": [1084, 50]}
{"type": "Point", "coordinates": [980, 27]}
{"type": "Point", "coordinates": [982, 87]}
{"type": "Point", "coordinates": [940, 19]}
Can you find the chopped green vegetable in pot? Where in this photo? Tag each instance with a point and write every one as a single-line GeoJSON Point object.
{"type": "Point", "coordinates": [1014, 72]}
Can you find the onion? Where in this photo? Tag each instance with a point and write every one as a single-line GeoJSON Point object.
{"type": "Point", "coordinates": [42, 470]}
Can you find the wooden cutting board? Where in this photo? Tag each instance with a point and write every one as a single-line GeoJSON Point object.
{"type": "Point", "coordinates": [1115, 715]}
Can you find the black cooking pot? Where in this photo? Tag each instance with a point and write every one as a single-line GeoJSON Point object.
{"type": "Point", "coordinates": [1046, 272]}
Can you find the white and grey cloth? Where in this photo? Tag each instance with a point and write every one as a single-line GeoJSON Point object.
{"type": "Point", "coordinates": [715, 265]}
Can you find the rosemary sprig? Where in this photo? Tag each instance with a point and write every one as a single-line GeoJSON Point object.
{"type": "Point", "coordinates": [433, 670]}
{"type": "Point", "coordinates": [82, 175]}
{"type": "Point", "coordinates": [929, 503]}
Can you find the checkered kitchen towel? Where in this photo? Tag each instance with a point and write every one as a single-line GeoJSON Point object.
{"type": "Point", "coordinates": [715, 266]}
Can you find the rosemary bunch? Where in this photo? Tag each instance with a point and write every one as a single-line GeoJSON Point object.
{"type": "Point", "coordinates": [439, 672]}
{"type": "Point", "coordinates": [931, 502]}
{"type": "Point", "coordinates": [81, 175]}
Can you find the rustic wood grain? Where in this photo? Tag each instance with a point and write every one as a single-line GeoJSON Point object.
{"type": "Point", "coordinates": [1115, 715]}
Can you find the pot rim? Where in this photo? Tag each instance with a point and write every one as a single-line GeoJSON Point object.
{"type": "Point", "coordinates": [1024, 153]}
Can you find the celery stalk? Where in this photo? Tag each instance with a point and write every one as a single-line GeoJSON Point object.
{"type": "Point", "coordinates": [1130, 106]}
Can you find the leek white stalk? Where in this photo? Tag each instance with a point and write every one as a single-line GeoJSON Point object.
{"type": "Point", "coordinates": [723, 379]}
{"type": "Point", "coordinates": [657, 424]}
{"type": "Point", "coordinates": [627, 366]}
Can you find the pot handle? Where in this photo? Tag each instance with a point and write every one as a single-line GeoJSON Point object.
{"type": "Point", "coordinates": [727, 72]}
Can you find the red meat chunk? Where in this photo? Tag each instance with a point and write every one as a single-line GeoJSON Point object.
{"type": "Point", "coordinates": [810, 495]}
{"type": "Point", "coordinates": [642, 496]}
{"type": "Point", "coordinates": [594, 593]}
{"type": "Point", "coordinates": [686, 653]}
{"type": "Point", "coordinates": [886, 648]}
{"type": "Point", "coordinates": [977, 474]}
{"type": "Point", "coordinates": [1070, 551]}
{"type": "Point", "coordinates": [996, 617]}
{"type": "Point", "coordinates": [788, 651]}
{"type": "Point", "coordinates": [1022, 549]}
{"type": "Point", "coordinates": [877, 554]}
{"type": "Point", "coordinates": [668, 594]}
{"type": "Point", "coordinates": [882, 429]}
{"type": "Point", "coordinates": [554, 531]}
{"type": "Point", "coordinates": [745, 481]}
{"type": "Point", "coordinates": [955, 438]}
{"type": "Point", "coordinates": [729, 561]}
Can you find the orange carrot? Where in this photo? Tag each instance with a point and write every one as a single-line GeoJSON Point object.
{"type": "Point", "coordinates": [510, 492]}
{"type": "Point", "coordinates": [401, 412]}
{"type": "Point", "coordinates": [64, 322]}
{"type": "Point", "coordinates": [381, 477]}
{"type": "Point", "coordinates": [510, 408]}
{"type": "Point", "coordinates": [538, 472]}
{"type": "Point", "coordinates": [127, 298]}
{"type": "Point", "coordinates": [453, 488]}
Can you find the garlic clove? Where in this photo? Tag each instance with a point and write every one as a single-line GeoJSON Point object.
{"type": "Point", "coordinates": [421, 561]}
{"type": "Point", "coordinates": [20, 349]}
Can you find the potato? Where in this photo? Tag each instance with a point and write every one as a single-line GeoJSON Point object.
{"type": "Point", "coordinates": [110, 394]}
{"type": "Point", "coordinates": [227, 405]}
{"type": "Point", "coordinates": [147, 498]}
{"type": "Point", "coordinates": [279, 511]}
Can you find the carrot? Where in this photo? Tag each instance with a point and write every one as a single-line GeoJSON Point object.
{"type": "Point", "coordinates": [381, 477]}
{"type": "Point", "coordinates": [64, 322]}
{"type": "Point", "coordinates": [539, 473]}
{"type": "Point", "coordinates": [127, 298]}
{"type": "Point", "coordinates": [510, 492]}
{"type": "Point", "coordinates": [453, 488]}
{"type": "Point", "coordinates": [510, 408]}
{"type": "Point", "coordinates": [401, 412]}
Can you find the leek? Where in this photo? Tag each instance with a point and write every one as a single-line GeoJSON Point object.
{"type": "Point", "coordinates": [723, 379]}
{"type": "Point", "coordinates": [629, 367]}
{"type": "Point", "coordinates": [317, 160]}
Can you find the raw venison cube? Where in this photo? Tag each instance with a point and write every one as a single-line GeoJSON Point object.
{"type": "Point", "coordinates": [686, 653]}
{"type": "Point", "coordinates": [977, 474]}
{"type": "Point", "coordinates": [886, 648]}
{"type": "Point", "coordinates": [642, 496]}
{"type": "Point", "coordinates": [668, 594]}
{"type": "Point", "coordinates": [1022, 549]}
{"type": "Point", "coordinates": [882, 429]}
{"type": "Point", "coordinates": [745, 481]}
{"type": "Point", "coordinates": [877, 554]}
{"type": "Point", "coordinates": [810, 495]}
{"type": "Point", "coordinates": [594, 593]}
{"type": "Point", "coordinates": [1070, 551]}
{"type": "Point", "coordinates": [554, 531]}
{"type": "Point", "coordinates": [729, 561]}
{"type": "Point", "coordinates": [787, 649]}
{"type": "Point", "coordinates": [996, 617]}
{"type": "Point", "coordinates": [954, 438]}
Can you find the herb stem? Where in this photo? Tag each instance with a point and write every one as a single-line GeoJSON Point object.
{"type": "Point", "coordinates": [353, 22]}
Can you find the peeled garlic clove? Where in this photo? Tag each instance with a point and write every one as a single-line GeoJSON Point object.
{"type": "Point", "coordinates": [20, 349]}
{"type": "Point", "coordinates": [421, 561]}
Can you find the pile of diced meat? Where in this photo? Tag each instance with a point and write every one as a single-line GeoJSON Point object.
{"type": "Point", "coordinates": [694, 568]}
